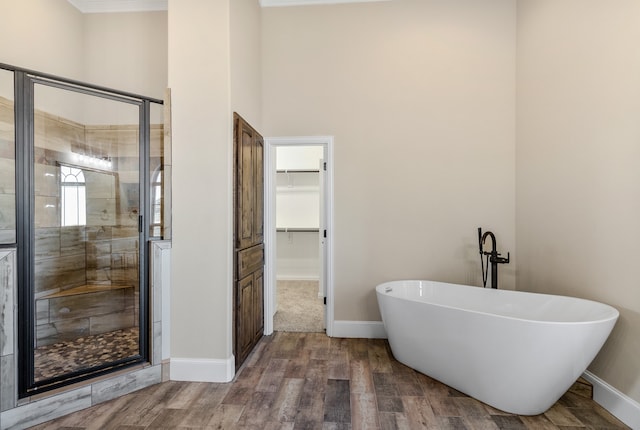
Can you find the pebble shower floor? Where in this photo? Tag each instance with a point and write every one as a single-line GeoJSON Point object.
{"type": "Point", "coordinates": [87, 351]}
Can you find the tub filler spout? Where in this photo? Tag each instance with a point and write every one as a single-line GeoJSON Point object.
{"type": "Point", "coordinates": [493, 257]}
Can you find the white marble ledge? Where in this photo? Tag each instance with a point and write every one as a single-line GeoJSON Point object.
{"type": "Point", "coordinates": [4, 253]}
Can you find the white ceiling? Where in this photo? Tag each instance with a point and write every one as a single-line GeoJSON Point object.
{"type": "Point", "coordinates": [106, 6]}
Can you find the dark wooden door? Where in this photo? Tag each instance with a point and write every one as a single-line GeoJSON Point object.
{"type": "Point", "coordinates": [248, 238]}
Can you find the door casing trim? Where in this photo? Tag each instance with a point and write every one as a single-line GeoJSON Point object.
{"type": "Point", "coordinates": [270, 222]}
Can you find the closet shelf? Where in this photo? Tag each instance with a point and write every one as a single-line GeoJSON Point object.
{"type": "Point", "coordinates": [297, 230]}
{"type": "Point", "coordinates": [297, 189]}
{"type": "Point", "coordinates": [297, 171]}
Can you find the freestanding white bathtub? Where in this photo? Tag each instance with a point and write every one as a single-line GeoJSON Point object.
{"type": "Point", "coordinates": [516, 351]}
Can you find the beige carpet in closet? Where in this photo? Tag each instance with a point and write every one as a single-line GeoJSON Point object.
{"type": "Point", "coordinates": [299, 307]}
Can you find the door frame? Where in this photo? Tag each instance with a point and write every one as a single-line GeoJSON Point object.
{"type": "Point", "coordinates": [24, 90]}
{"type": "Point", "coordinates": [271, 143]}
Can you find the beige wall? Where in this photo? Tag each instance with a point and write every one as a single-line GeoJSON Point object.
{"type": "Point", "coordinates": [199, 77]}
{"type": "Point", "coordinates": [43, 35]}
{"type": "Point", "coordinates": [47, 36]}
{"type": "Point", "coordinates": [139, 43]}
{"type": "Point", "coordinates": [124, 51]}
{"type": "Point", "coordinates": [420, 96]}
{"type": "Point", "coordinates": [578, 179]}
{"type": "Point", "coordinates": [246, 61]}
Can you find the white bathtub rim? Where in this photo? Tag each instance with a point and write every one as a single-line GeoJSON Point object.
{"type": "Point", "coordinates": [380, 289]}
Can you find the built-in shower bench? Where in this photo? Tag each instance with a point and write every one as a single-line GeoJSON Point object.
{"type": "Point", "coordinates": [84, 310]}
{"type": "Point", "coordinates": [84, 289]}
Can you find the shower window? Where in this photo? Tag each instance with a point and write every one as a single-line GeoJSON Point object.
{"type": "Point", "coordinates": [73, 196]}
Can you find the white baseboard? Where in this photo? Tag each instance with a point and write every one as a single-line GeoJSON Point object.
{"type": "Point", "coordinates": [201, 370]}
{"type": "Point", "coordinates": [359, 329]}
{"type": "Point", "coordinates": [618, 404]}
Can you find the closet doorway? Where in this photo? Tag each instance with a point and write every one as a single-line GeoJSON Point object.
{"type": "Point", "coordinates": [298, 190]}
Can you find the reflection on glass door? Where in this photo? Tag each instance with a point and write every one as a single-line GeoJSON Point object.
{"type": "Point", "coordinates": [7, 161]}
{"type": "Point", "coordinates": [86, 256]}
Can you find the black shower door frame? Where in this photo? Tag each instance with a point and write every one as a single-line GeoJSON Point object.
{"type": "Point", "coordinates": [24, 84]}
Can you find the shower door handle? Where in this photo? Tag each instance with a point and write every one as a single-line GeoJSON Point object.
{"type": "Point", "coordinates": [139, 223]}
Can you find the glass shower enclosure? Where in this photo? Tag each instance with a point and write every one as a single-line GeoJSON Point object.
{"type": "Point", "coordinates": [84, 200]}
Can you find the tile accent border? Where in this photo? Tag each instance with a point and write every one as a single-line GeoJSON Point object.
{"type": "Point", "coordinates": [33, 412]}
{"type": "Point", "coordinates": [361, 329]}
{"type": "Point", "coordinates": [618, 404]}
{"type": "Point", "coordinates": [202, 370]}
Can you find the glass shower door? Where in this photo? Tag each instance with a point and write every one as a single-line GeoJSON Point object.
{"type": "Point", "coordinates": [87, 233]}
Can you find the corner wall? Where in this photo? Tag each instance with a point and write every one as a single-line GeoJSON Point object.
{"type": "Point", "coordinates": [199, 78]}
{"type": "Point", "coordinates": [139, 42]}
{"type": "Point", "coordinates": [246, 61]}
{"type": "Point", "coordinates": [42, 35]}
{"type": "Point", "coordinates": [214, 69]}
{"type": "Point", "coordinates": [578, 158]}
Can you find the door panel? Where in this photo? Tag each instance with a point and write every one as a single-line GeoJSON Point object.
{"type": "Point", "coordinates": [246, 188]}
{"type": "Point", "coordinates": [248, 238]}
{"type": "Point", "coordinates": [250, 260]}
{"type": "Point", "coordinates": [258, 221]}
{"type": "Point", "coordinates": [244, 323]}
{"type": "Point", "coordinates": [322, 232]}
{"type": "Point", "coordinates": [258, 304]}
{"type": "Point", "coordinates": [87, 254]}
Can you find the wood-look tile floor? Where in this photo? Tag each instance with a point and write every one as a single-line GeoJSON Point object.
{"type": "Point", "coordinates": [310, 381]}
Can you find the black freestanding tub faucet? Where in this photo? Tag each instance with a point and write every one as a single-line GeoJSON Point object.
{"type": "Point", "coordinates": [493, 258]}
